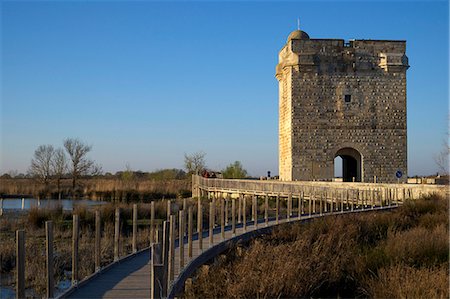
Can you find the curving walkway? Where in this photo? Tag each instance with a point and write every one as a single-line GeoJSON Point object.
{"type": "Point", "coordinates": [130, 277]}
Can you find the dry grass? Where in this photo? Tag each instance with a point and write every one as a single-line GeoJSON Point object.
{"type": "Point", "coordinates": [401, 281]}
{"type": "Point", "coordinates": [342, 256]}
{"type": "Point", "coordinates": [418, 246]}
{"type": "Point", "coordinates": [285, 266]}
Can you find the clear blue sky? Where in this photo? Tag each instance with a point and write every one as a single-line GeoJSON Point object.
{"type": "Point", "coordinates": [146, 82]}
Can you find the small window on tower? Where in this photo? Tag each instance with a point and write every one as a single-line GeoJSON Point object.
{"type": "Point", "coordinates": [348, 98]}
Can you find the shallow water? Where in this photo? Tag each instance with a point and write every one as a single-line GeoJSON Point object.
{"type": "Point", "coordinates": [7, 293]}
{"type": "Point", "coordinates": [28, 203]}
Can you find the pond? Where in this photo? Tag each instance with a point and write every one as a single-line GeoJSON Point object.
{"type": "Point", "coordinates": [28, 203]}
{"type": "Point", "coordinates": [7, 293]}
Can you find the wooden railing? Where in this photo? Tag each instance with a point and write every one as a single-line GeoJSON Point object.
{"type": "Point", "coordinates": [49, 253]}
{"type": "Point", "coordinates": [239, 207]}
{"type": "Point", "coordinates": [275, 187]}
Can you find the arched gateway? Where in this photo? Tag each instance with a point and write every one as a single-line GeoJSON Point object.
{"type": "Point", "coordinates": [351, 164]}
{"type": "Point", "coordinates": [344, 99]}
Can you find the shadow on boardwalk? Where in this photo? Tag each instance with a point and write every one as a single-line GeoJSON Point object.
{"type": "Point", "coordinates": [127, 279]}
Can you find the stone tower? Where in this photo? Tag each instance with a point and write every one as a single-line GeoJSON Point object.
{"type": "Point", "coordinates": [345, 99]}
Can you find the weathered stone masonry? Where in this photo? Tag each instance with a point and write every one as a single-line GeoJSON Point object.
{"type": "Point", "coordinates": [342, 99]}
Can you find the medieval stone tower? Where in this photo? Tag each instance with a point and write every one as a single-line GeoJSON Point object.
{"type": "Point", "coordinates": [345, 99]}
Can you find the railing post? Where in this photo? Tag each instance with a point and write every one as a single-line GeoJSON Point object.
{"type": "Point", "coordinates": [277, 209]}
{"type": "Point", "coordinates": [226, 208]}
{"type": "Point", "coordinates": [215, 194]}
{"type": "Point", "coordinates": [352, 201]}
{"type": "Point", "coordinates": [75, 241]}
{"type": "Point", "coordinates": [347, 200]}
{"type": "Point", "coordinates": [200, 228]}
{"type": "Point", "coordinates": [97, 240]}
{"type": "Point", "coordinates": [181, 227]}
{"type": "Point", "coordinates": [372, 198]}
{"type": "Point", "coordinates": [222, 218]}
{"type": "Point", "coordinates": [190, 229]}
{"type": "Point", "coordinates": [156, 272]}
{"type": "Point", "coordinates": [134, 243]}
{"type": "Point", "coordinates": [165, 255]}
{"type": "Point", "coordinates": [321, 202]}
{"type": "Point", "coordinates": [171, 260]}
{"type": "Point", "coordinates": [379, 196]}
{"type": "Point", "coordinates": [300, 205]}
{"type": "Point", "coordinates": [244, 212]}
{"type": "Point", "coordinates": [199, 218]}
{"type": "Point", "coordinates": [233, 216]}
{"type": "Point", "coordinates": [314, 201]}
{"type": "Point", "coordinates": [363, 198]}
{"type": "Point", "coordinates": [289, 207]}
{"type": "Point", "coordinates": [386, 196]}
{"type": "Point", "coordinates": [302, 194]}
{"type": "Point", "coordinates": [168, 210]}
{"type": "Point", "coordinates": [266, 210]}
{"type": "Point", "coordinates": [368, 201]}
{"type": "Point", "coordinates": [255, 210]}
{"type": "Point", "coordinates": [116, 234]}
{"type": "Point", "coordinates": [20, 264]}
{"type": "Point", "coordinates": [184, 204]}
{"type": "Point", "coordinates": [152, 223]}
{"type": "Point", "coordinates": [335, 201]}
{"type": "Point", "coordinates": [310, 203]}
{"type": "Point", "coordinates": [325, 202]}
{"type": "Point", "coordinates": [240, 208]}
{"type": "Point", "coordinates": [211, 224]}
{"type": "Point", "coordinates": [49, 259]}
{"type": "Point", "coordinates": [331, 201]}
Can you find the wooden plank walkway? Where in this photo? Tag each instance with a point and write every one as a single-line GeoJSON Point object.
{"type": "Point", "coordinates": [127, 279]}
{"type": "Point", "coordinates": [131, 278]}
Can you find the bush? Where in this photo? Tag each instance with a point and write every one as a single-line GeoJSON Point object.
{"type": "Point", "coordinates": [36, 217]}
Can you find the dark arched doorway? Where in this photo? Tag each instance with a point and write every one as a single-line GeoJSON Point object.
{"type": "Point", "coordinates": [351, 164]}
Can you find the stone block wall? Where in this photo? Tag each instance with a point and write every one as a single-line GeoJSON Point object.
{"type": "Point", "coordinates": [316, 121]}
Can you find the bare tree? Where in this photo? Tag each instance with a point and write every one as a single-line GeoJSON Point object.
{"type": "Point", "coordinates": [96, 169]}
{"type": "Point", "coordinates": [59, 166]}
{"type": "Point", "coordinates": [441, 159]}
{"type": "Point", "coordinates": [80, 164]}
{"type": "Point", "coordinates": [41, 163]}
{"type": "Point", "coordinates": [195, 163]}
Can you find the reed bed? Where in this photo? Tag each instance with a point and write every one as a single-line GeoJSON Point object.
{"type": "Point", "coordinates": [398, 254]}
{"type": "Point", "coordinates": [108, 189]}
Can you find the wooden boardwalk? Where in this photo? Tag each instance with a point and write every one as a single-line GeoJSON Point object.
{"type": "Point", "coordinates": [130, 278]}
